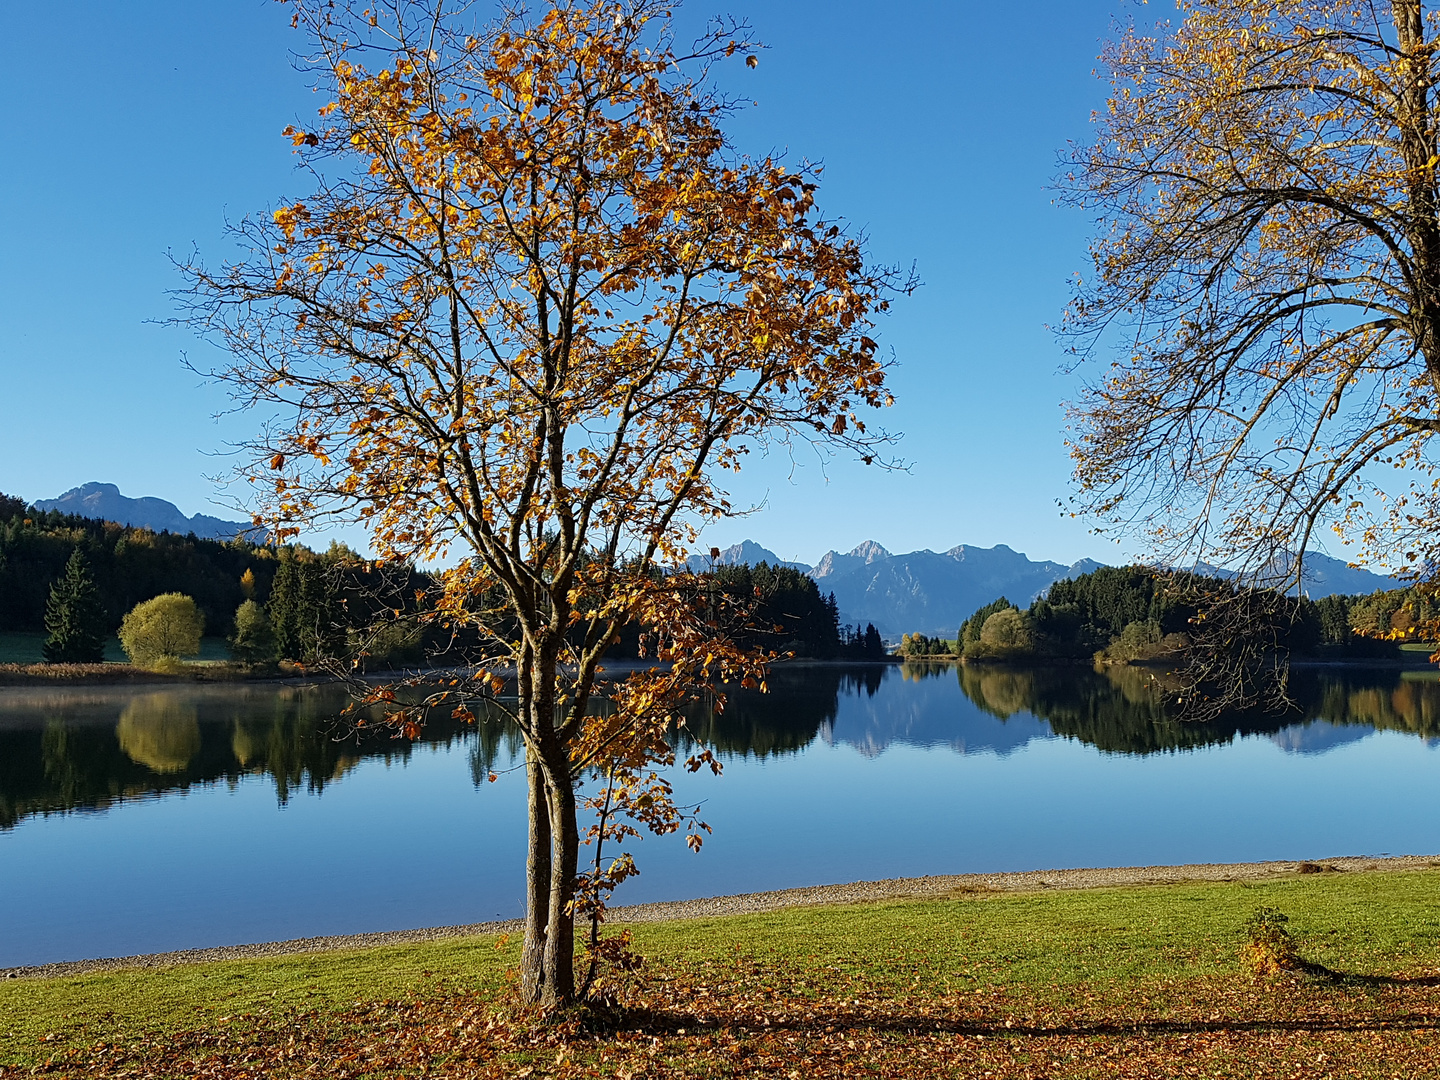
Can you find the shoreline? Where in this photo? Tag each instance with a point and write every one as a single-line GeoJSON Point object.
{"type": "Point", "coordinates": [34, 677]}
{"type": "Point", "coordinates": [65, 676]}
{"type": "Point", "coordinates": [938, 887]}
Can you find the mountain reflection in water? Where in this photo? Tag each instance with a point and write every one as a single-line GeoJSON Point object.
{"type": "Point", "coordinates": [86, 749]}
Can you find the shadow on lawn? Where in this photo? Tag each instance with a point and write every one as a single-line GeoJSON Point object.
{"type": "Point", "coordinates": [646, 1021]}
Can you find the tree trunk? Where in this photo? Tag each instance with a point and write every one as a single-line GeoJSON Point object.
{"type": "Point", "coordinates": [547, 968]}
{"type": "Point", "coordinates": [547, 962]}
{"type": "Point", "coordinates": [538, 872]}
{"type": "Point", "coordinates": [565, 855]}
{"type": "Point", "coordinates": [1417, 147]}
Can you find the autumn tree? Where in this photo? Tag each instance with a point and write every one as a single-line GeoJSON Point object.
{"type": "Point", "coordinates": [532, 310]}
{"type": "Point", "coordinates": [1268, 275]}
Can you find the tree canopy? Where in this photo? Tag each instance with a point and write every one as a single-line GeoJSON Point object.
{"type": "Point", "coordinates": [1267, 272]}
{"type": "Point", "coordinates": [165, 627]}
{"type": "Point", "coordinates": [532, 310]}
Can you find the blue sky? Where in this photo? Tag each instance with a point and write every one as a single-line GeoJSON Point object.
{"type": "Point", "coordinates": [133, 130]}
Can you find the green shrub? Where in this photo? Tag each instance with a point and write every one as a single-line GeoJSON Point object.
{"type": "Point", "coordinates": [1006, 629]}
{"type": "Point", "coordinates": [253, 640]}
{"type": "Point", "coordinates": [1143, 640]}
{"type": "Point", "coordinates": [1269, 948]}
{"type": "Point", "coordinates": [1005, 634]}
{"type": "Point", "coordinates": [970, 628]}
{"type": "Point", "coordinates": [162, 629]}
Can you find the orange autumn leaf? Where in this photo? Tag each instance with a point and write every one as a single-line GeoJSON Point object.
{"type": "Point", "coordinates": [547, 311]}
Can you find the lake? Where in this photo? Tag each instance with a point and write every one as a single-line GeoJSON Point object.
{"type": "Point", "coordinates": [147, 819]}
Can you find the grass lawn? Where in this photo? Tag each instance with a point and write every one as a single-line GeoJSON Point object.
{"type": "Point", "coordinates": [1117, 982]}
{"type": "Point", "coordinates": [24, 647]}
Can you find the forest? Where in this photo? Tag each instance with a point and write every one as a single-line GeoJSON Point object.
{"type": "Point", "coordinates": [792, 615]}
{"type": "Point", "coordinates": [333, 603]}
{"type": "Point", "coordinates": [129, 565]}
{"type": "Point", "coordinates": [1133, 613]}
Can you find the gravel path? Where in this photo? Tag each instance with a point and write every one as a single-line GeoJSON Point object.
{"type": "Point", "coordinates": [924, 888]}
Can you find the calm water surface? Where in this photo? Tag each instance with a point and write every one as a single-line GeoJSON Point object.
{"type": "Point", "coordinates": [142, 820]}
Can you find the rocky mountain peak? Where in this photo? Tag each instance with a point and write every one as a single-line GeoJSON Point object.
{"type": "Point", "coordinates": [869, 550]}
{"type": "Point", "coordinates": [104, 501]}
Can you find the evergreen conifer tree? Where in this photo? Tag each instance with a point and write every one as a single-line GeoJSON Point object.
{"type": "Point", "coordinates": [74, 618]}
{"type": "Point", "coordinates": [304, 610]}
{"type": "Point", "coordinates": [874, 646]}
{"type": "Point", "coordinates": [283, 609]}
{"type": "Point", "coordinates": [318, 617]}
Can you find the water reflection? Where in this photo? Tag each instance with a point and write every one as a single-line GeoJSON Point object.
{"type": "Point", "coordinates": [161, 731]}
{"type": "Point", "coordinates": [84, 750]}
{"type": "Point", "coordinates": [802, 705]}
{"type": "Point", "coordinates": [1126, 709]}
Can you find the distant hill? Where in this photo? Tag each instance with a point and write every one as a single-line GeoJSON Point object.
{"type": "Point", "coordinates": [748, 553]}
{"type": "Point", "coordinates": [1325, 576]}
{"type": "Point", "coordinates": [105, 501]}
{"type": "Point", "coordinates": [931, 592]}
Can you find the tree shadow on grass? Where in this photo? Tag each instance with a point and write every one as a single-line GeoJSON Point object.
{"type": "Point", "coordinates": [652, 1021]}
{"type": "Point", "coordinates": [648, 1022]}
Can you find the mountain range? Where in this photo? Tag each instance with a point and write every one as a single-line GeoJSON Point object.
{"type": "Point", "coordinates": [105, 501]}
{"type": "Point", "coordinates": [924, 592]}
{"type": "Point", "coordinates": [1323, 575]}
{"type": "Point", "coordinates": [746, 553]}
{"type": "Point", "coordinates": [932, 593]}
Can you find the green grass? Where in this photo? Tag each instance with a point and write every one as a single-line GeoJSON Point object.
{"type": "Point", "coordinates": [104, 1007]}
{"type": "Point", "coordinates": [1361, 923]}
{"type": "Point", "coordinates": [1044, 944]}
{"type": "Point", "coordinates": [24, 647]}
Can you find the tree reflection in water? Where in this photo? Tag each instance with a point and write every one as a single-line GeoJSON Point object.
{"type": "Point", "coordinates": [71, 751]}
{"type": "Point", "coordinates": [84, 750]}
{"type": "Point", "coordinates": [161, 731]}
{"type": "Point", "coordinates": [1129, 709]}
{"type": "Point", "coordinates": [804, 698]}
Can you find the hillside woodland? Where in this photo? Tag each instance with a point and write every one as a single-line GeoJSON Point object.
{"type": "Point", "coordinates": [1122, 614]}
{"type": "Point", "coordinates": [331, 603]}
{"type": "Point", "coordinates": [319, 605]}
{"type": "Point", "coordinates": [129, 565]}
